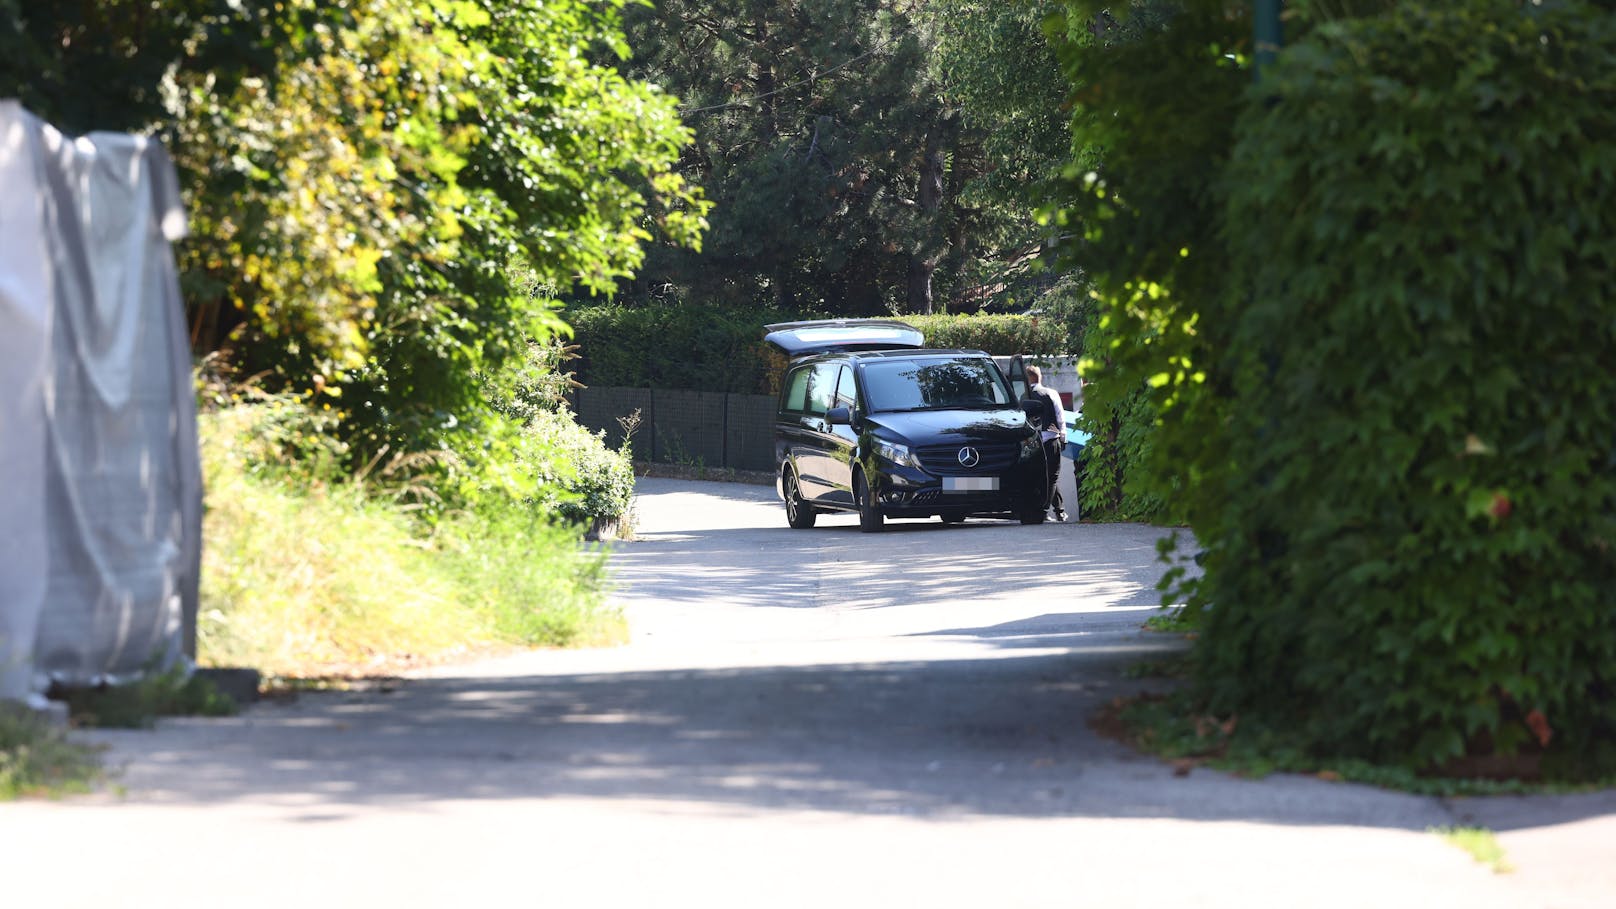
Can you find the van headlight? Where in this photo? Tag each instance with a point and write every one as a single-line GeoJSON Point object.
{"type": "Point", "coordinates": [1031, 447]}
{"type": "Point", "coordinates": [896, 453]}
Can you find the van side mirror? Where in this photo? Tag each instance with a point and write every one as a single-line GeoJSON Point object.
{"type": "Point", "coordinates": [1033, 408]}
{"type": "Point", "coordinates": [839, 416]}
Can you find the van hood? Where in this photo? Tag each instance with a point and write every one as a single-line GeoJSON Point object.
{"type": "Point", "coordinates": [950, 426]}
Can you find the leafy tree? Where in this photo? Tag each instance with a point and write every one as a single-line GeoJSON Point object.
{"type": "Point", "coordinates": [101, 64]}
{"type": "Point", "coordinates": [995, 64]}
{"type": "Point", "coordinates": [782, 97]}
{"type": "Point", "coordinates": [380, 191]}
{"type": "Point", "coordinates": [376, 221]}
{"type": "Point", "coordinates": [835, 139]}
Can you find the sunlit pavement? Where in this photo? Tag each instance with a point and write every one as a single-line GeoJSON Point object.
{"type": "Point", "coordinates": [803, 718]}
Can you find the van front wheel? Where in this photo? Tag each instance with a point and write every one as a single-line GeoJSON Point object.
{"type": "Point", "coordinates": [869, 514]}
{"type": "Point", "coordinates": [799, 514]}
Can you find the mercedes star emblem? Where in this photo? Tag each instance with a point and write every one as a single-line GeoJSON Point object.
{"type": "Point", "coordinates": [969, 457]}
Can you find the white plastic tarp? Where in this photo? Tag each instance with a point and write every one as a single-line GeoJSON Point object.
{"type": "Point", "coordinates": [100, 485]}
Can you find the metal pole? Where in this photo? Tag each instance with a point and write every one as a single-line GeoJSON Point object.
{"type": "Point", "coordinates": [653, 424]}
{"type": "Point", "coordinates": [1266, 34]}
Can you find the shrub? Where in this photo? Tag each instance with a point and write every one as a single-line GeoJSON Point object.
{"type": "Point", "coordinates": [579, 476]}
{"type": "Point", "coordinates": [1413, 555]}
{"type": "Point", "coordinates": [137, 704]}
{"type": "Point", "coordinates": [534, 381]}
{"type": "Point", "coordinates": [1001, 335]}
{"type": "Point", "coordinates": [711, 349]}
{"type": "Point", "coordinates": [689, 346]}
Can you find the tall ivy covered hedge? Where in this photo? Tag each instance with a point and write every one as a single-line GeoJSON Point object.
{"type": "Point", "coordinates": [705, 348]}
{"type": "Point", "coordinates": [1414, 555]}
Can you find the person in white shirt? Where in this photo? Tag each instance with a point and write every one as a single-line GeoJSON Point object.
{"type": "Point", "coordinates": [1053, 433]}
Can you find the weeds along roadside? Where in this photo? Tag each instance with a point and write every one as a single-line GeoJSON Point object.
{"type": "Point", "coordinates": [311, 571]}
{"type": "Point", "coordinates": [306, 572]}
{"type": "Point", "coordinates": [1171, 723]}
{"type": "Point", "coordinates": [38, 758]}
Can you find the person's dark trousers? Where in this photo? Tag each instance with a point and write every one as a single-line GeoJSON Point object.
{"type": "Point", "coordinates": [1052, 459]}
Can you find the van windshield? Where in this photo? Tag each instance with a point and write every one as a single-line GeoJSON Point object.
{"type": "Point", "coordinates": [963, 383]}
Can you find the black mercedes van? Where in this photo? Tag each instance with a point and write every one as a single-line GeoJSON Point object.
{"type": "Point", "coordinates": [869, 421]}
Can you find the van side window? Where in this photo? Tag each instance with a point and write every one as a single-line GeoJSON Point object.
{"type": "Point", "coordinates": [822, 388]}
{"type": "Point", "coordinates": [795, 395]}
{"type": "Point", "coordinates": [846, 396]}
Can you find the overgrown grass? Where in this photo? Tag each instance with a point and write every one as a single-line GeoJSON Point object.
{"type": "Point", "coordinates": [1480, 843]}
{"type": "Point", "coordinates": [36, 757]}
{"type": "Point", "coordinates": [330, 577]}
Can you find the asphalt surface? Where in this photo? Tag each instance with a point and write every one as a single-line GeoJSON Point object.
{"type": "Point", "coordinates": [803, 718]}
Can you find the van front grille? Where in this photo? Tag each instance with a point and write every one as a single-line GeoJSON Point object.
{"type": "Point", "coordinates": [944, 460]}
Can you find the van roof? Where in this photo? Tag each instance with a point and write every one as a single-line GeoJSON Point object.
{"type": "Point", "coordinates": [801, 339]}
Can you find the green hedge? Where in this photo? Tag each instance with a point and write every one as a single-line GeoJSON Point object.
{"type": "Point", "coordinates": [1416, 554]}
{"type": "Point", "coordinates": [711, 349]}
{"type": "Point", "coordinates": [1000, 335]}
{"type": "Point", "coordinates": [1121, 422]}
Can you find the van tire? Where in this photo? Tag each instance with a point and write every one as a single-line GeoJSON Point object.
{"type": "Point", "coordinates": [799, 514]}
{"type": "Point", "coordinates": [869, 514]}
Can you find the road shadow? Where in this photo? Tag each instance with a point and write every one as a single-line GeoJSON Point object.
{"type": "Point", "coordinates": [1004, 734]}
{"type": "Point", "coordinates": [942, 739]}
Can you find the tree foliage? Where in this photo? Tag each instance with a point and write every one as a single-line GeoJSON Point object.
{"type": "Point", "coordinates": [1362, 304]}
{"type": "Point", "coordinates": [102, 64]}
{"type": "Point", "coordinates": [388, 215]}
{"type": "Point", "coordinates": [834, 136]}
{"type": "Point", "coordinates": [385, 195]}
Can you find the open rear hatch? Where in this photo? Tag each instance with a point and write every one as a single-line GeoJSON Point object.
{"type": "Point", "coordinates": [801, 339]}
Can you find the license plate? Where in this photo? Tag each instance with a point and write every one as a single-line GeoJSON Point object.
{"type": "Point", "coordinates": [970, 484]}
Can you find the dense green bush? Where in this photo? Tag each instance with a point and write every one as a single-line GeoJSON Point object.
{"type": "Point", "coordinates": [579, 477]}
{"type": "Point", "coordinates": [1412, 507]}
{"type": "Point", "coordinates": [997, 334]}
{"type": "Point", "coordinates": [711, 349]}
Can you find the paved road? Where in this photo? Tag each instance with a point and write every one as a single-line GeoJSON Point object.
{"type": "Point", "coordinates": [794, 724]}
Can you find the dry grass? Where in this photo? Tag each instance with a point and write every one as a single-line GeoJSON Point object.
{"type": "Point", "coordinates": [327, 578]}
